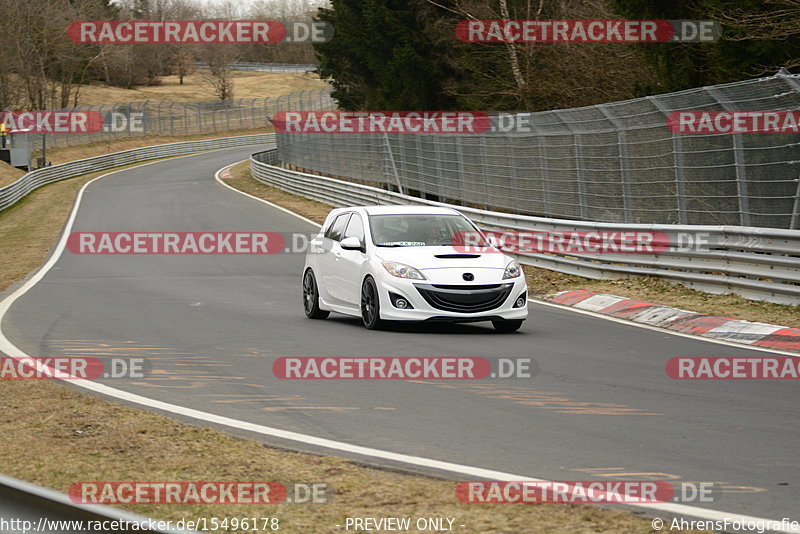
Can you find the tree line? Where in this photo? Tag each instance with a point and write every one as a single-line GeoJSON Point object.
{"type": "Point", "coordinates": [41, 68]}
{"type": "Point", "coordinates": [404, 54]}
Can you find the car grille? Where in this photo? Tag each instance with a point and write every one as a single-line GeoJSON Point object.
{"type": "Point", "coordinates": [463, 298]}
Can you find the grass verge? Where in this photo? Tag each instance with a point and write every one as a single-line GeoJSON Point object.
{"type": "Point", "coordinates": [542, 282]}
{"type": "Point", "coordinates": [62, 436]}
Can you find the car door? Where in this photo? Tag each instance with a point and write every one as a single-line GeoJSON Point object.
{"type": "Point", "coordinates": [348, 278]}
{"type": "Point", "coordinates": [329, 259]}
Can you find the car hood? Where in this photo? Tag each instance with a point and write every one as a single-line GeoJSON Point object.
{"type": "Point", "coordinates": [442, 257]}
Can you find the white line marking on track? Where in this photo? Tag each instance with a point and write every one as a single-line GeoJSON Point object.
{"type": "Point", "coordinates": [7, 347]}
{"type": "Point", "coordinates": [217, 177]}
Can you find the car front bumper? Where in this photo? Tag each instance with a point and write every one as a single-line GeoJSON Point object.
{"type": "Point", "coordinates": [452, 302]}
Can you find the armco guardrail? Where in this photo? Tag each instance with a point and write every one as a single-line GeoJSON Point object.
{"type": "Point", "coordinates": [757, 263]}
{"type": "Point", "coordinates": [26, 508]}
{"type": "Point", "coordinates": [13, 192]}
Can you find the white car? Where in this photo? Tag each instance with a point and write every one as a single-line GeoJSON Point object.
{"type": "Point", "coordinates": [407, 263]}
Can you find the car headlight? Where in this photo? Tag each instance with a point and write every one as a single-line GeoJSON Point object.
{"type": "Point", "coordinates": [513, 270]}
{"type": "Point", "coordinates": [401, 270]}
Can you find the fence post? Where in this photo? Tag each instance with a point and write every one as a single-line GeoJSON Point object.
{"type": "Point", "coordinates": [677, 153]}
{"type": "Point", "coordinates": [739, 161]}
{"type": "Point", "coordinates": [227, 104]}
{"type": "Point", "coordinates": [512, 158]}
{"type": "Point", "coordinates": [582, 200]}
{"type": "Point", "coordinates": [622, 151]}
{"type": "Point", "coordinates": [793, 223]}
{"type": "Point", "coordinates": [391, 162]}
{"type": "Point", "coordinates": [200, 128]}
{"type": "Point", "coordinates": [145, 117]}
{"type": "Point", "coordinates": [484, 159]}
{"type": "Point", "coordinates": [160, 118]}
{"type": "Point", "coordinates": [794, 83]}
{"type": "Point", "coordinates": [543, 168]}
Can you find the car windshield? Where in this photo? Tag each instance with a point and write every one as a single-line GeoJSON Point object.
{"type": "Point", "coordinates": [424, 231]}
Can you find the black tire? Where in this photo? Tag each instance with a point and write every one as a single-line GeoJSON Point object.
{"type": "Point", "coordinates": [311, 297]}
{"type": "Point", "coordinates": [370, 305]}
{"type": "Point", "coordinates": [507, 326]}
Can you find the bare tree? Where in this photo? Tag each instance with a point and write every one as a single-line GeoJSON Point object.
{"type": "Point", "coordinates": [41, 60]}
{"type": "Point", "coordinates": [781, 22]}
{"type": "Point", "coordinates": [183, 62]}
{"type": "Point", "coordinates": [534, 76]}
{"type": "Point", "coordinates": [219, 74]}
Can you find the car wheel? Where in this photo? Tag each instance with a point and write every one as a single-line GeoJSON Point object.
{"type": "Point", "coordinates": [507, 326]}
{"type": "Point", "coordinates": [370, 305]}
{"type": "Point", "coordinates": [311, 297]}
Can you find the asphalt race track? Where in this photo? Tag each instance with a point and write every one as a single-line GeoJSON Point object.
{"type": "Point", "coordinates": [600, 405]}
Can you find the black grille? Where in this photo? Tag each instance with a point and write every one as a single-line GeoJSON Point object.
{"type": "Point", "coordinates": [464, 298]}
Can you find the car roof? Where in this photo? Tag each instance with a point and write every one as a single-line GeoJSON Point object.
{"type": "Point", "coordinates": [401, 210]}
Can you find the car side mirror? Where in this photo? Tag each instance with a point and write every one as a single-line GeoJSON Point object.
{"type": "Point", "coordinates": [351, 243]}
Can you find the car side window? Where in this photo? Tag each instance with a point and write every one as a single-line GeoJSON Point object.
{"type": "Point", "coordinates": [355, 228]}
{"type": "Point", "coordinates": [336, 229]}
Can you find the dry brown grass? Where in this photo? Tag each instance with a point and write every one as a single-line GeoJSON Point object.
{"type": "Point", "coordinates": [246, 84]}
{"type": "Point", "coordinates": [8, 173]}
{"type": "Point", "coordinates": [62, 436]}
